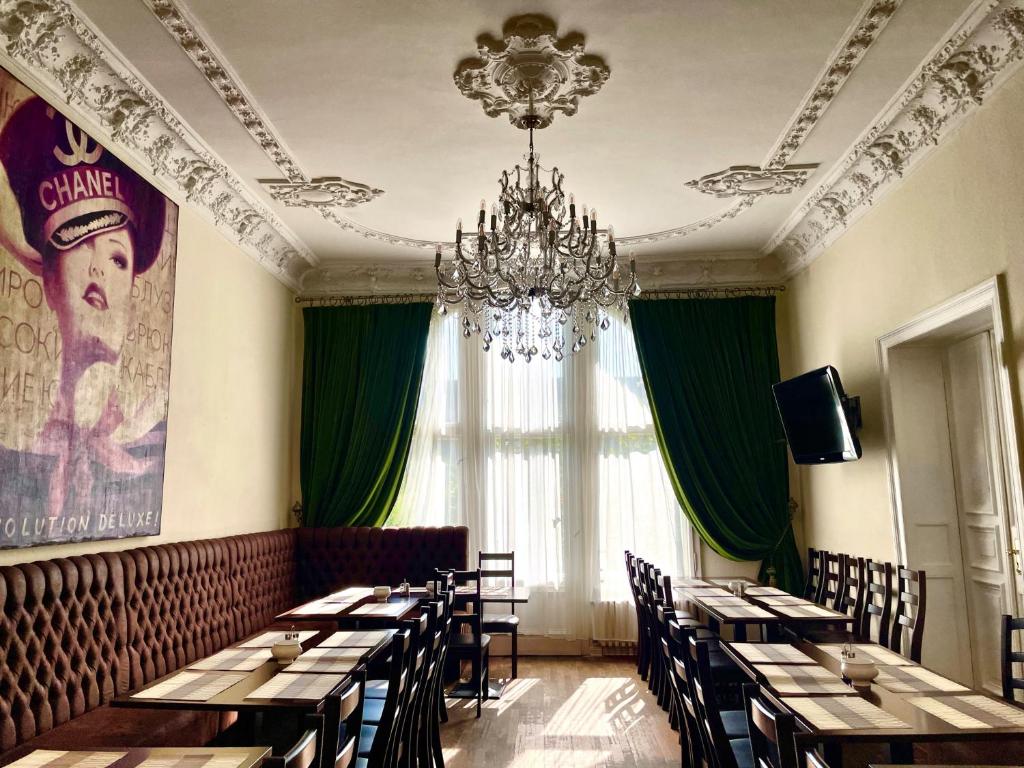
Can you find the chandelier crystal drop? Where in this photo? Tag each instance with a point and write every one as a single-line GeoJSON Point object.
{"type": "Point", "coordinates": [540, 279]}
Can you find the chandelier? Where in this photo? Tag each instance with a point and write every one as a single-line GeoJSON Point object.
{"type": "Point", "coordinates": [540, 278]}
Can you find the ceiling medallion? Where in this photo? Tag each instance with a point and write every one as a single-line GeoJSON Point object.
{"type": "Point", "coordinates": [748, 180]}
{"type": "Point", "coordinates": [531, 61]}
{"type": "Point", "coordinates": [325, 192]}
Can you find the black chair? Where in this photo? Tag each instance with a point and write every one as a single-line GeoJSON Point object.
{"type": "Point", "coordinates": [725, 752]}
{"type": "Point", "coordinates": [812, 584]}
{"type": "Point", "coordinates": [377, 743]}
{"type": "Point", "coordinates": [305, 753]}
{"type": "Point", "coordinates": [828, 594]}
{"type": "Point", "coordinates": [877, 603]}
{"type": "Point", "coordinates": [1010, 657]}
{"type": "Point", "coordinates": [473, 644]}
{"type": "Point", "coordinates": [771, 733]}
{"type": "Point", "coordinates": [408, 726]}
{"type": "Point", "coordinates": [733, 720]}
{"type": "Point", "coordinates": [504, 623]}
{"type": "Point", "coordinates": [850, 600]}
{"type": "Point", "coordinates": [343, 719]}
{"type": "Point", "coordinates": [911, 602]}
{"type": "Point", "coordinates": [642, 641]}
{"type": "Point", "coordinates": [814, 760]}
{"type": "Point", "coordinates": [444, 588]}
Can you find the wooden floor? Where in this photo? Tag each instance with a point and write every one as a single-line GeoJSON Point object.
{"type": "Point", "coordinates": [563, 712]}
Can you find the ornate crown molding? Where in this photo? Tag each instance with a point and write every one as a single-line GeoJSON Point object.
{"type": "Point", "coordinates": [746, 180]}
{"type": "Point", "coordinates": [328, 192]}
{"type": "Point", "coordinates": [531, 71]}
{"type": "Point", "coordinates": [63, 54]}
{"type": "Point", "coordinates": [985, 49]}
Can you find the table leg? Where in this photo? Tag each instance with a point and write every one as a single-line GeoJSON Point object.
{"type": "Point", "coordinates": [901, 752]}
{"type": "Point", "coordinates": [739, 633]}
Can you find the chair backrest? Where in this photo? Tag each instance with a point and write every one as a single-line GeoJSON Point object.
{"type": "Point", "coordinates": [305, 753]}
{"type": "Point", "coordinates": [812, 585]}
{"type": "Point", "coordinates": [678, 644]}
{"type": "Point", "coordinates": [911, 602]}
{"type": "Point", "coordinates": [398, 675]}
{"type": "Point", "coordinates": [831, 577]}
{"type": "Point", "coordinates": [1010, 657]}
{"type": "Point", "coordinates": [877, 603]}
{"type": "Point", "coordinates": [851, 588]}
{"type": "Point", "coordinates": [343, 718]}
{"type": "Point", "coordinates": [708, 711]}
{"type": "Point", "coordinates": [814, 760]}
{"type": "Point", "coordinates": [507, 561]}
{"type": "Point", "coordinates": [771, 732]}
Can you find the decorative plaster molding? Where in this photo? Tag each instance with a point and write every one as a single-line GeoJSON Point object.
{"type": "Point", "coordinates": [50, 40]}
{"type": "Point", "coordinates": [531, 71]}
{"type": "Point", "coordinates": [327, 192]}
{"type": "Point", "coordinates": [746, 180]}
{"type": "Point", "coordinates": [986, 48]}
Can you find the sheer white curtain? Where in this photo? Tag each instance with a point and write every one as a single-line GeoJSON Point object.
{"type": "Point", "coordinates": [556, 461]}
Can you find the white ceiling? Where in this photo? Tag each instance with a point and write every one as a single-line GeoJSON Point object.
{"type": "Point", "coordinates": [363, 90]}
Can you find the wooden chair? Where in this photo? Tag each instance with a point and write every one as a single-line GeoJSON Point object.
{"type": "Point", "coordinates": [814, 760]}
{"type": "Point", "coordinates": [504, 623]}
{"type": "Point", "coordinates": [473, 645]}
{"type": "Point", "coordinates": [377, 738]}
{"type": "Point", "coordinates": [828, 594]}
{"type": "Point", "coordinates": [305, 753]}
{"type": "Point", "coordinates": [812, 584]}
{"type": "Point", "coordinates": [1011, 657]}
{"type": "Point", "coordinates": [911, 602]}
{"type": "Point", "coordinates": [407, 732]}
{"type": "Point", "coordinates": [444, 588]}
{"type": "Point", "coordinates": [771, 733]}
{"type": "Point", "coordinates": [850, 600]}
{"type": "Point", "coordinates": [877, 603]}
{"type": "Point", "coordinates": [733, 720]}
{"type": "Point", "coordinates": [641, 644]}
{"type": "Point", "coordinates": [724, 752]}
{"type": "Point", "coordinates": [343, 719]}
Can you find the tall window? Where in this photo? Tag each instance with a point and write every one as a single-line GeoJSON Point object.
{"type": "Point", "coordinates": [556, 461]}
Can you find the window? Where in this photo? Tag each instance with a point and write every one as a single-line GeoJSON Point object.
{"type": "Point", "coordinates": [556, 461]}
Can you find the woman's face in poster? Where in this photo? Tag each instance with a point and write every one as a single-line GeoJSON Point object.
{"type": "Point", "coordinates": [89, 288]}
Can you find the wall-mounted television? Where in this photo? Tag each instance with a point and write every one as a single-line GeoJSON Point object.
{"type": "Point", "coordinates": [819, 419]}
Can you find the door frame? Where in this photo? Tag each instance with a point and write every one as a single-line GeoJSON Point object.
{"type": "Point", "coordinates": [986, 299]}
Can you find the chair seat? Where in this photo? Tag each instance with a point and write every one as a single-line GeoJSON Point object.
{"type": "Point", "coordinates": [495, 623]}
{"type": "Point", "coordinates": [373, 711]}
{"type": "Point", "coordinates": [735, 723]}
{"type": "Point", "coordinates": [741, 749]}
{"type": "Point", "coordinates": [376, 689]}
{"type": "Point", "coordinates": [367, 733]}
{"type": "Point", "coordinates": [467, 642]}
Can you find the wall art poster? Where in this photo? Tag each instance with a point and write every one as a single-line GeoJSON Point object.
{"type": "Point", "coordinates": [87, 256]}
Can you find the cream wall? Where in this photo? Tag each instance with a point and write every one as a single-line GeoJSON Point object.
{"type": "Point", "coordinates": [955, 221]}
{"type": "Point", "coordinates": [229, 435]}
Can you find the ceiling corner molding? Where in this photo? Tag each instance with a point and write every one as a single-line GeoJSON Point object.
{"type": "Point", "coordinates": [57, 46]}
{"type": "Point", "coordinates": [984, 49]}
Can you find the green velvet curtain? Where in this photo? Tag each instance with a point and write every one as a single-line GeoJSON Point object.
{"type": "Point", "coordinates": [360, 387]}
{"type": "Point", "coordinates": [708, 366]}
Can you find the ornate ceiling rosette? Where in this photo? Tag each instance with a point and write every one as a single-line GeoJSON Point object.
{"type": "Point", "coordinates": [748, 180]}
{"type": "Point", "coordinates": [325, 192]}
{"type": "Point", "coordinates": [531, 71]}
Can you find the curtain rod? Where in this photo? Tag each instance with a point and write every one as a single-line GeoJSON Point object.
{"type": "Point", "coordinates": [714, 291]}
{"type": "Point", "coordinates": [362, 301]}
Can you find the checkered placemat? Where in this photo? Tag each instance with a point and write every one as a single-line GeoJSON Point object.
{"type": "Point", "coordinates": [723, 601]}
{"type": "Point", "coordinates": [795, 679]}
{"type": "Point", "coordinates": [780, 600]}
{"type": "Point", "coordinates": [297, 686]}
{"type": "Point", "coordinates": [869, 652]}
{"type": "Point", "coordinates": [321, 607]}
{"type": "Point", "coordinates": [392, 610]}
{"type": "Point", "coordinates": [708, 592]}
{"type": "Point", "coordinates": [968, 712]}
{"type": "Point", "coordinates": [771, 653]}
{"type": "Point", "coordinates": [743, 612]}
{"type": "Point", "coordinates": [766, 591]}
{"type": "Point", "coordinates": [808, 611]}
{"type": "Point", "coordinates": [235, 660]}
{"type": "Point", "coordinates": [334, 664]}
{"type": "Point", "coordinates": [51, 758]}
{"type": "Point", "coordinates": [838, 713]}
{"type": "Point", "coordinates": [682, 583]}
{"type": "Point", "coordinates": [191, 686]}
{"type": "Point", "coordinates": [268, 639]}
{"type": "Point", "coordinates": [915, 680]}
{"type": "Point", "coordinates": [211, 760]}
{"type": "Point", "coordinates": [363, 639]}
{"type": "Point", "coordinates": [349, 595]}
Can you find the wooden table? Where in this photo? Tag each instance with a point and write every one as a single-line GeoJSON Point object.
{"type": "Point", "coordinates": [129, 757]}
{"type": "Point", "coordinates": [352, 616]}
{"type": "Point", "coordinates": [922, 726]}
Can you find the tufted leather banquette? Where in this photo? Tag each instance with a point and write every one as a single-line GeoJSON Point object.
{"type": "Point", "coordinates": [75, 632]}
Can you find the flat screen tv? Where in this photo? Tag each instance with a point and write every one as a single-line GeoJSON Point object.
{"type": "Point", "coordinates": [817, 417]}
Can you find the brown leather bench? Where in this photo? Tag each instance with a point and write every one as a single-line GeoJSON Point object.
{"type": "Point", "coordinates": [76, 632]}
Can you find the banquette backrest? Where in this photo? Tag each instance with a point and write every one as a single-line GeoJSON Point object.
{"type": "Point", "coordinates": [75, 632]}
{"type": "Point", "coordinates": [328, 558]}
{"type": "Point", "coordinates": [63, 645]}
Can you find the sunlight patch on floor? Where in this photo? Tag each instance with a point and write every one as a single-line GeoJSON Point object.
{"type": "Point", "coordinates": [561, 758]}
{"type": "Point", "coordinates": [601, 707]}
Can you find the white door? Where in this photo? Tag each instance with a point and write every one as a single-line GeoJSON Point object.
{"type": "Point", "coordinates": [981, 505]}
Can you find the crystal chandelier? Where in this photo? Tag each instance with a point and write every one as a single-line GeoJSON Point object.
{"type": "Point", "coordinates": [540, 278]}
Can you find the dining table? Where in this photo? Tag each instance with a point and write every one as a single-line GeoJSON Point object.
{"type": "Point", "coordinates": [145, 757]}
{"type": "Point", "coordinates": [906, 704]}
